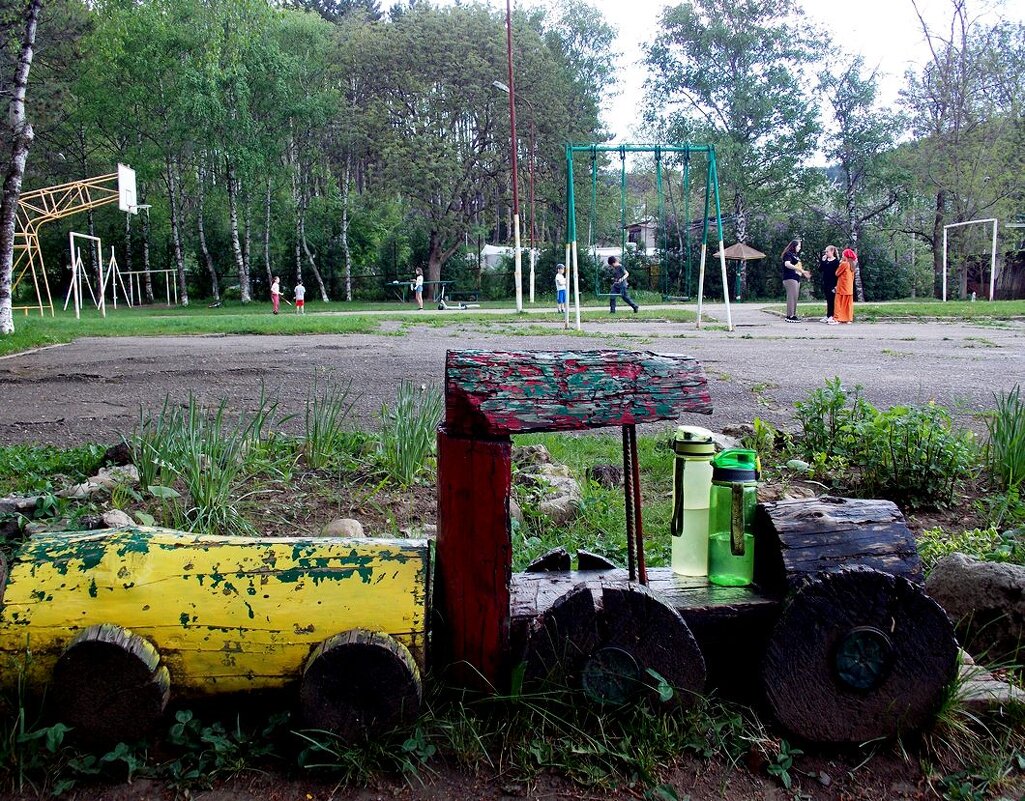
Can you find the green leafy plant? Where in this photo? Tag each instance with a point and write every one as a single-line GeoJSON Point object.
{"type": "Point", "coordinates": [1004, 452]}
{"type": "Point", "coordinates": [831, 418]}
{"type": "Point", "coordinates": [326, 439]}
{"type": "Point", "coordinates": [408, 432]}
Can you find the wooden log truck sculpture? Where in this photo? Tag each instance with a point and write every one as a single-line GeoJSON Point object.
{"type": "Point", "coordinates": [847, 645]}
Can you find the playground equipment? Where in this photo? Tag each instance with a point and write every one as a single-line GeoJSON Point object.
{"type": "Point", "coordinates": [41, 206]}
{"type": "Point", "coordinates": [659, 152]}
{"type": "Point", "coordinates": [835, 633]}
{"type": "Point", "coordinates": [992, 258]}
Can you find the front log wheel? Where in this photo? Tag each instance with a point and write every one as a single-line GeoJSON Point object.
{"type": "Point", "coordinates": [358, 684]}
{"type": "Point", "coordinates": [858, 655]}
{"type": "Point", "coordinates": [109, 686]}
{"type": "Point", "coordinates": [630, 645]}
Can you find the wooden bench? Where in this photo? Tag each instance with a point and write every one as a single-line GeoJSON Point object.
{"type": "Point", "coordinates": [472, 295]}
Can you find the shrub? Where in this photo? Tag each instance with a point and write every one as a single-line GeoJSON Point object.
{"type": "Point", "coordinates": [912, 454]}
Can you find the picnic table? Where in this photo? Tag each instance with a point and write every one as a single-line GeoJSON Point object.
{"type": "Point", "coordinates": [403, 288]}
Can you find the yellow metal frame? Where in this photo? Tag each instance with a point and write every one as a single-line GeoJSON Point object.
{"type": "Point", "coordinates": [45, 205]}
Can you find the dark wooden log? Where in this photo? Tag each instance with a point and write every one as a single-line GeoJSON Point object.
{"type": "Point", "coordinates": [359, 684]}
{"type": "Point", "coordinates": [799, 538]}
{"type": "Point", "coordinates": [474, 560]}
{"type": "Point", "coordinates": [587, 561]}
{"type": "Point", "coordinates": [643, 625]}
{"type": "Point", "coordinates": [616, 642]}
{"type": "Point", "coordinates": [109, 686]}
{"type": "Point", "coordinates": [562, 639]}
{"type": "Point", "coordinates": [858, 655]}
{"type": "Point", "coordinates": [491, 394]}
{"type": "Point", "coordinates": [555, 559]}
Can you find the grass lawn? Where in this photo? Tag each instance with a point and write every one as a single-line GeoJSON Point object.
{"type": "Point", "coordinates": [921, 309]}
{"type": "Point", "coordinates": [33, 331]}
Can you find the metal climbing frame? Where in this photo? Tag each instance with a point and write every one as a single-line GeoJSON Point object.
{"type": "Point", "coordinates": [711, 190]}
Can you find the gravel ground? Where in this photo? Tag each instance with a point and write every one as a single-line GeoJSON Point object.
{"type": "Point", "coordinates": [92, 389]}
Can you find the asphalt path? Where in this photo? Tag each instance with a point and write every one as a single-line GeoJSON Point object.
{"type": "Point", "coordinates": [93, 389]}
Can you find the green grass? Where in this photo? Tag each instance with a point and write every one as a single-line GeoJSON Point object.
{"type": "Point", "coordinates": [922, 309]}
{"type": "Point", "coordinates": [33, 331]}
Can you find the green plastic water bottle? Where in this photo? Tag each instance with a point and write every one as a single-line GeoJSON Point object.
{"type": "Point", "coordinates": [734, 496]}
{"type": "Point", "coordinates": [692, 483]}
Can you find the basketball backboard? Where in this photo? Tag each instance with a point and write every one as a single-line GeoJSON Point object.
{"type": "Point", "coordinates": [126, 199]}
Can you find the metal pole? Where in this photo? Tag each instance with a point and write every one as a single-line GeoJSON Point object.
{"type": "Point", "coordinates": [704, 240]}
{"type": "Point", "coordinates": [722, 247]}
{"type": "Point", "coordinates": [993, 262]}
{"type": "Point", "coordinates": [533, 259]}
{"type": "Point", "coordinates": [944, 264]}
{"type": "Point", "coordinates": [518, 260]}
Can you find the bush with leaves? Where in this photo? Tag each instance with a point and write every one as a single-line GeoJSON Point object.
{"type": "Point", "coordinates": [911, 454]}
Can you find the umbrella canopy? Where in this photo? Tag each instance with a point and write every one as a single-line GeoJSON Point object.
{"type": "Point", "coordinates": [742, 252]}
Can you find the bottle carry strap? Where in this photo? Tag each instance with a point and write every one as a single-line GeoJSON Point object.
{"type": "Point", "coordinates": [737, 520]}
{"type": "Point", "coordinates": [676, 524]}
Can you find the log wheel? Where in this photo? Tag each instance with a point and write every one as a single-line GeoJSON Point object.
{"type": "Point", "coordinates": [109, 686]}
{"type": "Point", "coordinates": [858, 655]}
{"type": "Point", "coordinates": [621, 647]}
{"type": "Point", "coordinates": [360, 683]}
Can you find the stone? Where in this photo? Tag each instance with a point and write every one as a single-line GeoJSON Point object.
{"type": "Point", "coordinates": [527, 456]}
{"type": "Point", "coordinates": [608, 476]}
{"type": "Point", "coordinates": [515, 512]}
{"type": "Point", "coordinates": [343, 527]}
{"type": "Point", "coordinates": [115, 518]}
{"type": "Point", "coordinates": [110, 477]}
{"type": "Point", "coordinates": [986, 601]}
{"type": "Point", "coordinates": [561, 509]}
{"type": "Point", "coordinates": [724, 441]}
{"type": "Point", "coordinates": [80, 492]}
{"type": "Point", "coordinates": [799, 491]}
{"type": "Point", "coordinates": [119, 454]}
{"type": "Point", "coordinates": [18, 504]}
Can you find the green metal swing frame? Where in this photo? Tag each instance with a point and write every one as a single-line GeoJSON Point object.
{"type": "Point", "coordinates": [711, 191]}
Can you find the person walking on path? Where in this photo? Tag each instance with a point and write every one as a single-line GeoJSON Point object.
{"type": "Point", "coordinates": [843, 310]}
{"type": "Point", "coordinates": [300, 298]}
{"type": "Point", "coordinates": [793, 272]}
{"type": "Point", "coordinates": [418, 288]}
{"type": "Point", "coordinates": [828, 263]}
{"type": "Point", "coordinates": [275, 293]}
{"type": "Point", "coordinates": [619, 285]}
{"type": "Point", "coordinates": [560, 287]}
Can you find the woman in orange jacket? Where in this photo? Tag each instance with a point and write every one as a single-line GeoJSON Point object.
{"type": "Point", "coordinates": [843, 308]}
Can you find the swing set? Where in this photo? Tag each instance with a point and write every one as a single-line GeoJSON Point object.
{"type": "Point", "coordinates": [660, 152]}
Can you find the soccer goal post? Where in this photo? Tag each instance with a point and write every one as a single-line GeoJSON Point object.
{"type": "Point", "coordinates": [992, 256]}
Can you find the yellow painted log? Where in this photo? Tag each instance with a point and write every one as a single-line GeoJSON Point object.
{"type": "Point", "coordinates": [226, 613]}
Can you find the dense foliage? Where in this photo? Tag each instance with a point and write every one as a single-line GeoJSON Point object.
{"type": "Point", "coordinates": [349, 143]}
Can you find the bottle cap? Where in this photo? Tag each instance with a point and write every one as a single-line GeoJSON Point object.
{"type": "Point", "coordinates": [694, 441]}
{"type": "Point", "coordinates": [737, 464]}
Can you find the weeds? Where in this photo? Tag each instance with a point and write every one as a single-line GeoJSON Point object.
{"type": "Point", "coordinates": [326, 441]}
{"type": "Point", "coordinates": [1004, 452]}
{"type": "Point", "coordinates": [408, 432]}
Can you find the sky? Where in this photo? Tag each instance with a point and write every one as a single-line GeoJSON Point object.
{"type": "Point", "coordinates": [886, 32]}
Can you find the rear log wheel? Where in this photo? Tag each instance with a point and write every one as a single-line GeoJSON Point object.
{"type": "Point", "coordinates": [858, 655]}
{"type": "Point", "coordinates": [630, 645]}
{"type": "Point", "coordinates": [358, 684]}
{"type": "Point", "coordinates": [109, 686]}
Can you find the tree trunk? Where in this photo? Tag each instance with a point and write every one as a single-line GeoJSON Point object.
{"type": "Point", "coordinates": [247, 236]}
{"type": "Point", "coordinates": [742, 238]}
{"type": "Point", "coordinates": [937, 236]}
{"type": "Point", "coordinates": [147, 276]}
{"type": "Point", "coordinates": [208, 262]}
{"type": "Point", "coordinates": [309, 258]}
{"type": "Point", "coordinates": [176, 233]}
{"type": "Point", "coordinates": [859, 290]}
{"type": "Point", "coordinates": [346, 253]}
{"type": "Point", "coordinates": [236, 245]}
{"type": "Point", "coordinates": [22, 132]}
{"type": "Point", "coordinates": [266, 233]}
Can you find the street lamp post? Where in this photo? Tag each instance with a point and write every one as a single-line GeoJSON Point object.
{"type": "Point", "coordinates": [531, 161]}
{"type": "Point", "coordinates": [518, 273]}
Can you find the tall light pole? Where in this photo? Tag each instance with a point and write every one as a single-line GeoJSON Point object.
{"type": "Point", "coordinates": [533, 155]}
{"type": "Point", "coordinates": [518, 273]}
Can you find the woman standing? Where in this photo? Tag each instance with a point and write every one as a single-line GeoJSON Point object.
{"type": "Point", "coordinates": [792, 274]}
{"type": "Point", "coordinates": [843, 311]}
{"type": "Point", "coordinates": [275, 293]}
{"type": "Point", "coordinates": [827, 268]}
